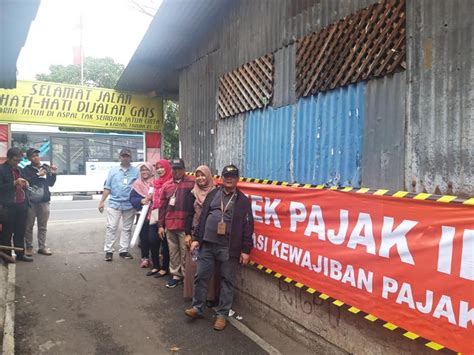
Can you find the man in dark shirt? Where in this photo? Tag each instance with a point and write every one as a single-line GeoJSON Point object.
{"type": "Point", "coordinates": [41, 177]}
{"type": "Point", "coordinates": [13, 200]}
{"type": "Point", "coordinates": [224, 235]}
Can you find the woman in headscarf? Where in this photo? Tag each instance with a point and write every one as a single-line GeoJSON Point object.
{"type": "Point", "coordinates": [139, 197]}
{"type": "Point", "coordinates": [204, 184]}
{"type": "Point", "coordinates": [163, 176]}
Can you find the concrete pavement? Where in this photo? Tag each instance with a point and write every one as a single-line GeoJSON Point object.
{"type": "Point", "coordinates": [74, 302]}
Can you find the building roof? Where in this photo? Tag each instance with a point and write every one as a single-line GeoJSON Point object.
{"type": "Point", "coordinates": [15, 20]}
{"type": "Point", "coordinates": [177, 28]}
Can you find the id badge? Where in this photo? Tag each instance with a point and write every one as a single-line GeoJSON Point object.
{"type": "Point", "coordinates": [221, 228]}
{"type": "Point", "coordinates": [172, 201]}
{"type": "Point", "coordinates": [125, 181]}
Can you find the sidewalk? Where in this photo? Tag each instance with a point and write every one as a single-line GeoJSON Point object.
{"type": "Point", "coordinates": [7, 308]}
{"type": "Point", "coordinates": [74, 302]}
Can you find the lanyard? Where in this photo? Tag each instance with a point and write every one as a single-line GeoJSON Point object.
{"type": "Point", "coordinates": [176, 189]}
{"type": "Point", "coordinates": [224, 210]}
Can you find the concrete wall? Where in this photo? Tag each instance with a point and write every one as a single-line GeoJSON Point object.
{"type": "Point", "coordinates": [319, 325]}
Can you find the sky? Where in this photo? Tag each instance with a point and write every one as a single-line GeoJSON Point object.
{"type": "Point", "coordinates": [111, 28]}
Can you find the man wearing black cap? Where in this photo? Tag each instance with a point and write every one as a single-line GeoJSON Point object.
{"type": "Point", "coordinates": [118, 186]}
{"type": "Point", "coordinates": [41, 177]}
{"type": "Point", "coordinates": [224, 234]}
{"type": "Point", "coordinates": [13, 203]}
{"type": "Point", "coordinates": [173, 212]}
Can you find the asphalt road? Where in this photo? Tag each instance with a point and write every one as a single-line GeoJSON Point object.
{"type": "Point", "coordinates": [74, 210]}
{"type": "Point", "coordinates": [76, 303]}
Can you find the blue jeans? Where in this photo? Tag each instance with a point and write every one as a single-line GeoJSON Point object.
{"type": "Point", "coordinates": [209, 253]}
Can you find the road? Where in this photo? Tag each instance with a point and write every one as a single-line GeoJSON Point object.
{"type": "Point", "coordinates": [75, 303]}
{"type": "Point", "coordinates": [72, 210]}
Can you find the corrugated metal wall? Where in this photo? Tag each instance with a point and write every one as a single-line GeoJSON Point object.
{"type": "Point", "coordinates": [419, 132]}
{"type": "Point", "coordinates": [383, 158]}
{"type": "Point", "coordinates": [329, 137]}
{"type": "Point", "coordinates": [230, 142]}
{"type": "Point", "coordinates": [251, 29]}
{"type": "Point", "coordinates": [268, 143]}
{"type": "Point", "coordinates": [318, 140]}
{"type": "Point", "coordinates": [197, 113]}
{"type": "Point", "coordinates": [440, 107]}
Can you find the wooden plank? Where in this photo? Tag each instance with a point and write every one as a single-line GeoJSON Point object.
{"type": "Point", "coordinates": [249, 85]}
{"type": "Point", "coordinates": [320, 55]}
{"type": "Point", "coordinates": [365, 45]}
{"type": "Point", "coordinates": [382, 42]}
{"type": "Point", "coordinates": [231, 108]}
{"type": "Point", "coordinates": [232, 96]}
{"type": "Point", "coordinates": [246, 100]}
{"type": "Point", "coordinates": [308, 69]}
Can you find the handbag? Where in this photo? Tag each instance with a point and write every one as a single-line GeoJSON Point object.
{"type": "Point", "coordinates": [154, 216]}
{"type": "Point", "coordinates": [36, 193]}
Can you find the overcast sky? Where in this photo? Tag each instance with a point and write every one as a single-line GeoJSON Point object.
{"type": "Point", "coordinates": [112, 28]}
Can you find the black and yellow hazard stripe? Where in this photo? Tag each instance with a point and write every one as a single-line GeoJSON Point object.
{"type": "Point", "coordinates": [362, 190]}
{"type": "Point", "coordinates": [368, 191]}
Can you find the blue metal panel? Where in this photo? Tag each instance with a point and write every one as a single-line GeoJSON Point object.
{"type": "Point", "coordinates": [329, 137]}
{"type": "Point", "coordinates": [267, 143]}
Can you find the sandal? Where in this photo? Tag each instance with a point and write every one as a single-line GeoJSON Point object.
{"type": "Point", "coordinates": [151, 273]}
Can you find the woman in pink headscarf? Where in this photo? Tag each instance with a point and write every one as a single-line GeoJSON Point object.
{"type": "Point", "coordinates": [139, 197]}
{"type": "Point", "coordinates": [163, 176]}
{"type": "Point", "coordinates": [204, 184]}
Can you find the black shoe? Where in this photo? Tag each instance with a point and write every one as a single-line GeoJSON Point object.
{"type": "Point", "coordinates": [151, 273]}
{"type": "Point", "coordinates": [126, 255]}
{"type": "Point", "coordinates": [211, 304]}
{"type": "Point", "coordinates": [109, 256]}
{"type": "Point", "coordinates": [23, 257]}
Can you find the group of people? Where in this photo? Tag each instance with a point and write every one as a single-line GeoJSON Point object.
{"type": "Point", "coordinates": [24, 200]}
{"type": "Point", "coordinates": [195, 232]}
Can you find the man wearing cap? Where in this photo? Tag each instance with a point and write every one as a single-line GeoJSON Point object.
{"type": "Point", "coordinates": [224, 235]}
{"type": "Point", "coordinates": [41, 177]}
{"type": "Point", "coordinates": [118, 186]}
{"type": "Point", "coordinates": [175, 204]}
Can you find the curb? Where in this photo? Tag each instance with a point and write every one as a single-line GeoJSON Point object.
{"type": "Point", "coordinates": [8, 345]}
{"type": "Point", "coordinates": [75, 197]}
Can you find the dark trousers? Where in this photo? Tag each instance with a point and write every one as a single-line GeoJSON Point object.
{"type": "Point", "coordinates": [156, 243]}
{"type": "Point", "coordinates": [15, 226]}
{"type": "Point", "coordinates": [145, 240]}
{"type": "Point", "coordinates": [209, 254]}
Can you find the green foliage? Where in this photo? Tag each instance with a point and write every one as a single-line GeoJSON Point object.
{"type": "Point", "coordinates": [170, 130]}
{"type": "Point", "coordinates": [98, 72]}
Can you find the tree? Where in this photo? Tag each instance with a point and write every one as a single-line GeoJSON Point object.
{"type": "Point", "coordinates": [170, 130]}
{"type": "Point", "coordinates": [98, 72]}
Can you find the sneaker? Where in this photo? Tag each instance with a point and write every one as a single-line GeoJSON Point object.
{"type": "Point", "coordinates": [145, 263]}
{"type": "Point", "coordinates": [172, 283]}
{"type": "Point", "coordinates": [193, 313]}
{"type": "Point", "coordinates": [29, 251]}
{"type": "Point", "coordinates": [109, 256]}
{"type": "Point", "coordinates": [126, 255]}
{"type": "Point", "coordinates": [219, 323]}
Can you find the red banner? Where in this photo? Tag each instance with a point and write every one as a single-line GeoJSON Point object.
{"type": "Point", "coordinates": [409, 262]}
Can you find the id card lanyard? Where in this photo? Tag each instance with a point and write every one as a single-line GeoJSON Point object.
{"type": "Point", "coordinates": [172, 200]}
{"type": "Point", "coordinates": [221, 226]}
{"type": "Point", "coordinates": [125, 177]}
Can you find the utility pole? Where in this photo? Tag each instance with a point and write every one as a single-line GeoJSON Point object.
{"type": "Point", "coordinates": [82, 50]}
